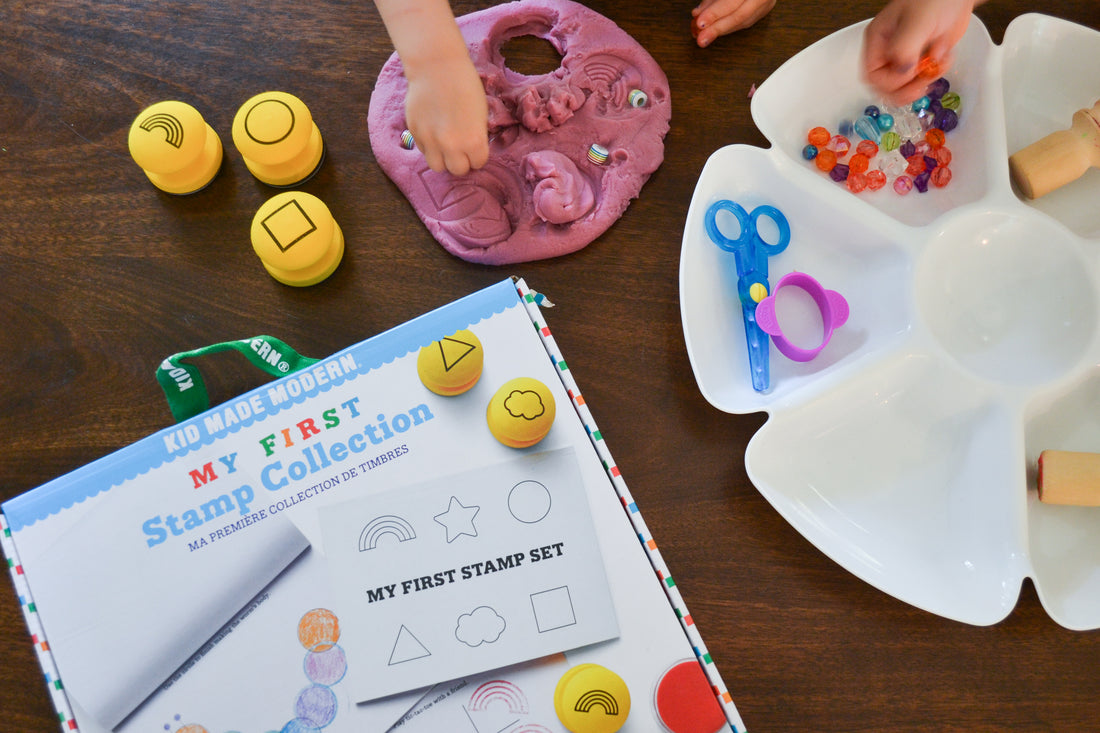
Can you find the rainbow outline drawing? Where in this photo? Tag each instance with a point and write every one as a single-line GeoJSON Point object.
{"type": "Point", "coordinates": [499, 691]}
{"type": "Point", "coordinates": [592, 698]}
{"type": "Point", "coordinates": [387, 524]}
{"type": "Point", "coordinates": [173, 128]}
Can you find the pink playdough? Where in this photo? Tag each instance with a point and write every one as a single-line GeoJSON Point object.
{"type": "Point", "coordinates": [539, 195]}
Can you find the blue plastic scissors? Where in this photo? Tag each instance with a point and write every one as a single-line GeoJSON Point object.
{"type": "Point", "coordinates": [751, 253]}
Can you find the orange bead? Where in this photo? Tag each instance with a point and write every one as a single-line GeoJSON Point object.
{"type": "Point", "coordinates": [856, 182]}
{"type": "Point", "coordinates": [876, 179]}
{"type": "Point", "coordinates": [859, 163]}
{"type": "Point", "coordinates": [935, 138]}
{"type": "Point", "coordinates": [868, 148]}
{"type": "Point", "coordinates": [916, 165]}
{"type": "Point", "coordinates": [818, 136]}
{"type": "Point", "coordinates": [825, 160]}
{"type": "Point", "coordinates": [928, 68]}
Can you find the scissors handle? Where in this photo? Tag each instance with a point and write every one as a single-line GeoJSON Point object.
{"type": "Point", "coordinates": [751, 254]}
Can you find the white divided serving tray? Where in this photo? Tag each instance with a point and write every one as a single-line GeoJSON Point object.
{"type": "Point", "coordinates": [906, 451]}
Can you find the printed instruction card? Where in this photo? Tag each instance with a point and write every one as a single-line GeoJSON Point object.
{"type": "Point", "coordinates": [468, 573]}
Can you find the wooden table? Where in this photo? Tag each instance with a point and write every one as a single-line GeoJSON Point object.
{"type": "Point", "coordinates": [101, 276]}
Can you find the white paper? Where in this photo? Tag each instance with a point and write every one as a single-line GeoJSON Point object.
{"type": "Point", "coordinates": [473, 572]}
{"type": "Point", "coordinates": [111, 602]}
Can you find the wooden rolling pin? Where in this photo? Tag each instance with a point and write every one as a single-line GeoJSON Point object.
{"type": "Point", "coordinates": [1059, 158]}
{"type": "Point", "coordinates": [1066, 477]}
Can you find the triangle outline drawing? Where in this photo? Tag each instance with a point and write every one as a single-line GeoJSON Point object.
{"type": "Point", "coordinates": [406, 647]}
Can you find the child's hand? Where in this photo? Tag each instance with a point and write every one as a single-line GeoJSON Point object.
{"type": "Point", "coordinates": [448, 116]}
{"type": "Point", "coordinates": [904, 33]}
{"type": "Point", "coordinates": [713, 18]}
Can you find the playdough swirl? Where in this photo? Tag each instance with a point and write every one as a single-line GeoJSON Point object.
{"type": "Point", "coordinates": [560, 194]}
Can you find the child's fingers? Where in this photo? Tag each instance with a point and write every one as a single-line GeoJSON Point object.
{"type": "Point", "coordinates": [726, 16]}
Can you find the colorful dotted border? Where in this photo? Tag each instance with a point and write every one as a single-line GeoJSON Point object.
{"type": "Point", "coordinates": [34, 627]}
{"type": "Point", "coordinates": [531, 301]}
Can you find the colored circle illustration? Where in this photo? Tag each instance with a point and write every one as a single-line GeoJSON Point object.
{"type": "Point", "coordinates": [316, 705]}
{"type": "Point", "coordinates": [318, 630]}
{"type": "Point", "coordinates": [451, 365]}
{"type": "Point", "coordinates": [685, 702]}
{"type": "Point", "coordinates": [590, 698]}
{"type": "Point", "coordinates": [326, 667]}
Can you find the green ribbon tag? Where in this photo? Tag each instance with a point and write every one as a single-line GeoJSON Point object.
{"type": "Point", "coordinates": [183, 385]}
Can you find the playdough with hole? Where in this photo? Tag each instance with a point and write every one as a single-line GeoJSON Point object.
{"type": "Point", "coordinates": [568, 149]}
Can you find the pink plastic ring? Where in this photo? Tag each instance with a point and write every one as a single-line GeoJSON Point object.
{"type": "Point", "coordinates": [833, 307]}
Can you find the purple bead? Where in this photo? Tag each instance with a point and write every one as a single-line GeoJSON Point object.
{"type": "Point", "coordinates": [946, 120]}
{"type": "Point", "coordinates": [930, 163]}
{"type": "Point", "coordinates": [839, 173]}
{"type": "Point", "coordinates": [920, 182]}
{"type": "Point", "coordinates": [938, 88]}
{"type": "Point", "coordinates": [809, 152]}
{"type": "Point", "coordinates": [935, 105]}
{"type": "Point", "coordinates": [907, 149]}
{"type": "Point", "coordinates": [871, 111]}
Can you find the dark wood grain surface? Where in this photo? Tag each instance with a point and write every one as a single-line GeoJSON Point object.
{"type": "Point", "coordinates": [101, 276]}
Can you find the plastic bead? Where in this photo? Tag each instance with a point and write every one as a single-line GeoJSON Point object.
{"type": "Point", "coordinates": [885, 121]}
{"type": "Point", "coordinates": [819, 137]}
{"type": "Point", "coordinates": [938, 88]}
{"type": "Point", "coordinates": [929, 162]}
{"type": "Point", "coordinates": [941, 176]}
{"type": "Point", "coordinates": [856, 182]}
{"type": "Point", "coordinates": [890, 141]}
{"type": "Point", "coordinates": [903, 185]}
{"type": "Point", "coordinates": [637, 98]}
{"type": "Point", "coordinates": [871, 111]}
{"type": "Point", "coordinates": [825, 160]}
{"type": "Point", "coordinates": [892, 164]}
{"type": "Point", "coordinates": [868, 148]}
{"type": "Point", "coordinates": [867, 129]}
{"type": "Point", "coordinates": [952, 101]}
{"type": "Point", "coordinates": [942, 156]}
{"type": "Point", "coordinates": [839, 173]}
{"type": "Point", "coordinates": [809, 152]}
{"type": "Point", "coordinates": [916, 165]}
{"type": "Point", "coordinates": [407, 141]}
{"type": "Point", "coordinates": [859, 163]}
{"type": "Point", "coordinates": [946, 120]}
{"type": "Point", "coordinates": [845, 128]}
{"type": "Point", "coordinates": [935, 138]}
{"type": "Point", "coordinates": [840, 145]}
{"type": "Point", "coordinates": [920, 104]}
{"type": "Point", "coordinates": [921, 182]}
{"type": "Point", "coordinates": [908, 149]}
{"type": "Point", "coordinates": [907, 125]}
{"type": "Point", "coordinates": [928, 68]}
{"type": "Point", "coordinates": [876, 179]}
{"type": "Point", "coordinates": [597, 154]}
